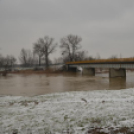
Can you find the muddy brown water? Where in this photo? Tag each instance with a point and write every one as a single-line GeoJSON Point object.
{"type": "Point", "coordinates": [39, 84]}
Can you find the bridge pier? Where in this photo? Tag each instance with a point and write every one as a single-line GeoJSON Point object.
{"type": "Point", "coordinates": [72, 69]}
{"type": "Point", "coordinates": [89, 71]}
{"type": "Point", "coordinates": [117, 72]}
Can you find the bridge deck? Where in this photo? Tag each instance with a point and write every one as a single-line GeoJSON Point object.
{"type": "Point", "coordinates": [127, 63]}
{"type": "Point", "coordinates": [105, 61]}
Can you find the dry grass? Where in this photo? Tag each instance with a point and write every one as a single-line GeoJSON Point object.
{"type": "Point", "coordinates": [123, 130]}
{"type": "Point", "coordinates": [98, 131]}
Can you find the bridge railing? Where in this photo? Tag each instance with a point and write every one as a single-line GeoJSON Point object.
{"type": "Point", "coordinates": [103, 61]}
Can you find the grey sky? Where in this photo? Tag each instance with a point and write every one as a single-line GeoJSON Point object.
{"type": "Point", "coordinates": [106, 26]}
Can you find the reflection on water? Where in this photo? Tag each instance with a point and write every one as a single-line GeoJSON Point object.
{"type": "Point", "coordinates": [117, 83]}
{"type": "Point", "coordinates": [30, 85]}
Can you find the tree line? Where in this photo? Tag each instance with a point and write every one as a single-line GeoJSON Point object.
{"type": "Point", "coordinates": [71, 50]}
{"type": "Point", "coordinates": [42, 49]}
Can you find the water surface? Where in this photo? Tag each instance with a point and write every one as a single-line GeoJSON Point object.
{"type": "Point", "coordinates": [38, 84]}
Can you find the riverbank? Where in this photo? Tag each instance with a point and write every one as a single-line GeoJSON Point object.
{"type": "Point", "coordinates": [30, 71]}
{"type": "Point", "coordinates": [48, 71]}
{"type": "Point", "coordinates": [100, 111]}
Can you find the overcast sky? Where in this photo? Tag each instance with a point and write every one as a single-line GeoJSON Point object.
{"type": "Point", "coordinates": [106, 26]}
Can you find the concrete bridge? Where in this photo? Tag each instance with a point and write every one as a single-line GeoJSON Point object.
{"type": "Point", "coordinates": [117, 67]}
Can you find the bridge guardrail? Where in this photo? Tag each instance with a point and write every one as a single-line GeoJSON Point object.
{"type": "Point", "coordinates": [103, 61]}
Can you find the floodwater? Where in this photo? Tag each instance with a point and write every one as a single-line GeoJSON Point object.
{"type": "Point", "coordinates": [39, 84]}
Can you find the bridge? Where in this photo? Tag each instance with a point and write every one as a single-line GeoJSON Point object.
{"type": "Point", "coordinates": [117, 67]}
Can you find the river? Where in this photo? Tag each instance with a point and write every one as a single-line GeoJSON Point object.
{"type": "Point", "coordinates": [39, 84]}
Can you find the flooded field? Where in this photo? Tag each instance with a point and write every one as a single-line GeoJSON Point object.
{"type": "Point", "coordinates": [39, 84]}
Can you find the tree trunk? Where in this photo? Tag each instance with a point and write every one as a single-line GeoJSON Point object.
{"type": "Point", "coordinates": [39, 60]}
{"type": "Point", "coordinates": [46, 60]}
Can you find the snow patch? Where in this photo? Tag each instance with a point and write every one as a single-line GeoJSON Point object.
{"type": "Point", "coordinates": [76, 112]}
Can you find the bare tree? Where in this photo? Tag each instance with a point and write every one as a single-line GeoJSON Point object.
{"type": "Point", "coordinates": [81, 55]}
{"type": "Point", "coordinates": [46, 46]}
{"type": "Point", "coordinates": [113, 57]}
{"type": "Point", "coordinates": [90, 58]}
{"type": "Point", "coordinates": [12, 60]}
{"type": "Point", "coordinates": [98, 56]}
{"type": "Point", "coordinates": [7, 62]}
{"type": "Point", "coordinates": [37, 49]}
{"type": "Point", "coordinates": [26, 57]}
{"type": "Point", "coordinates": [70, 46]}
{"type": "Point", "coordinates": [1, 61]}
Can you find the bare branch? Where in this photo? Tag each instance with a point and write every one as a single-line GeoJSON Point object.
{"type": "Point", "coordinates": [45, 47]}
{"type": "Point", "coordinates": [26, 57]}
{"type": "Point", "coordinates": [70, 45]}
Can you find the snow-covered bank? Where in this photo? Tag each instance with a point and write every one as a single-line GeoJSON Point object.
{"type": "Point", "coordinates": [76, 111]}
